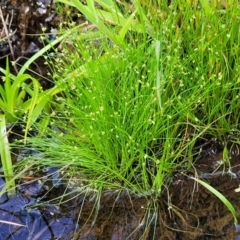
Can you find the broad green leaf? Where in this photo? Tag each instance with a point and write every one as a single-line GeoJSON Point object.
{"type": "Point", "coordinates": [30, 115]}
{"type": "Point", "coordinates": [2, 94]}
{"type": "Point", "coordinates": [110, 5]}
{"type": "Point", "coordinates": [20, 98]}
{"type": "Point", "coordinates": [127, 26]}
{"type": "Point", "coordinates": [206, 6]}
{"type": "Point", "coordinates": [15, 90]}
{"type": "Point", "coordinates": [93, 17]}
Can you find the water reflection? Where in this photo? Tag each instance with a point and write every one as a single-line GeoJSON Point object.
{"type": "Point", "coordinates": [19, 219]}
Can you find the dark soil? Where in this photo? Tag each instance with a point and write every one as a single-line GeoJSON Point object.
{"type": "Point", "coordinates": [190, 211]}
{"type": "Point", "coordinates": [186, 210]}
{"type": "Point", "coordinates": [26, 26]}
{"type": "Point", "coordinates": [26, 20]}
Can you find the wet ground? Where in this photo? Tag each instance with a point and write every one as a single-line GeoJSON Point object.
{"type": "Point", "coordinates": [186, 210]}
{"type": "Point", "coordinates": [22, 25]}
{"type": "Point", "coordinates": [26, 26]}
{"type": "Point", "coordinates": [21, 219]}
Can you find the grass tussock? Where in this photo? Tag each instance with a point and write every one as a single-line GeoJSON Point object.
{"type": "Point", "coordinates": [131, 111]}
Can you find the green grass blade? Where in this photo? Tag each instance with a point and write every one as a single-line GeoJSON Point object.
{"type": "Point", "coordinates": [37, 103]}
{"type": "Point", "coordinates": [15, 90]}
{"type": "Point", "coordinates": [92, 8]}
{"type": "Point", "coordinates": [206, 7]}
{"type": "Point", "coordinates": [18, 174]}
{"type": "Point", "coordinates": [86, 10]}
{"type": "Point", "coordinates": [126, 26]}
{"type": "Point", "coordinates": [220, 196]}
{"type": "Point", "coordinates": [91, 13]}
{"type": "Point", "coordinates": [110, 5]}
{"type": "Point", "coordinates": [6, 156]}
{"type": "Point", "coordinates": [31, 117]}
{"type": "Point", "coordinates": [43, 50]}
{"type": "Point", "coordinates": [67, 2]}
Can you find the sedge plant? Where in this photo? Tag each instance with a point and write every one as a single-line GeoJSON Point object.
{"type": "Point", "coordinates": [132, 111]}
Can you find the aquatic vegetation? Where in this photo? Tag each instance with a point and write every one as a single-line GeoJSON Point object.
{"type": "Point", "coordinates": [15, 105]}
{"type": "Point", "coordinates": [23, 100]}
{"type": "Point", "coordinates": [5, 154]}
{"type": "Point", "coordinates": [221, 197]}
{"type": "Point", "coordinates": [134, 105]}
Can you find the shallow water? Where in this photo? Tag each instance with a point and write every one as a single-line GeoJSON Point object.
{"type": "Point", "coordinates": [194, 213]}
{"type": "Point", "coordinates": [25, 220]}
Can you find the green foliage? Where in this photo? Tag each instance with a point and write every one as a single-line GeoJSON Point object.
{"type": "Point", "coordinates": [14, 102]}
{"type": "Point", "coordinates": [116, 126]}
{"type": "Point", "coordinates": [108, 14]}
{"type": "Point", "coordinates": [22, 99]}
{"type": "Point", "coordinates": [6, 156]}
{"type": "Point", "coordinates": [138, 96]}
{"type": "Point", "coordinates": [220, 196]}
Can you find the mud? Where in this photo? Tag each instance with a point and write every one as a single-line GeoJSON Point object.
{"type": "Point", "coordinates": [25, 22]}
{"type": "Point", "coordinates": [198, 212]}
{"type": "Point", "coordinates": [186, 210]}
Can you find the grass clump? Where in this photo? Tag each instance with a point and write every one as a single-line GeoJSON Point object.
{"type": "Point", "coordinates": [131, 113]}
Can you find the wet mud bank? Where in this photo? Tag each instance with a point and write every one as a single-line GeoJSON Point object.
{"type": "Point", "coordinates": [186, 210]}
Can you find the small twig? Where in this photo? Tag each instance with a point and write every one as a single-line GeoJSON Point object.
{"type": "Point", "coordinates": [39, 69]}
{"type": "Point", "coordinates": [5, 37]}
{"type": "Point", "coordinates": [5, 56]}
{"type": "Point", "coordinates": [8, 38]}
{"type": "Point", "coordinates": [11, 19]}
{"type": "Point", "coordinates": [3, 34]}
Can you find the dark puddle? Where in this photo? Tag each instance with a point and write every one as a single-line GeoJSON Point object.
{"type": "Point", "coordinates": [27, 216]}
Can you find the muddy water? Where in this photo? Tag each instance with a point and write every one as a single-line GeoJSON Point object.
{"type": "Point", "coordinates": [28, 216]}
{"type": "Point", "coordinates": [185, 211]}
